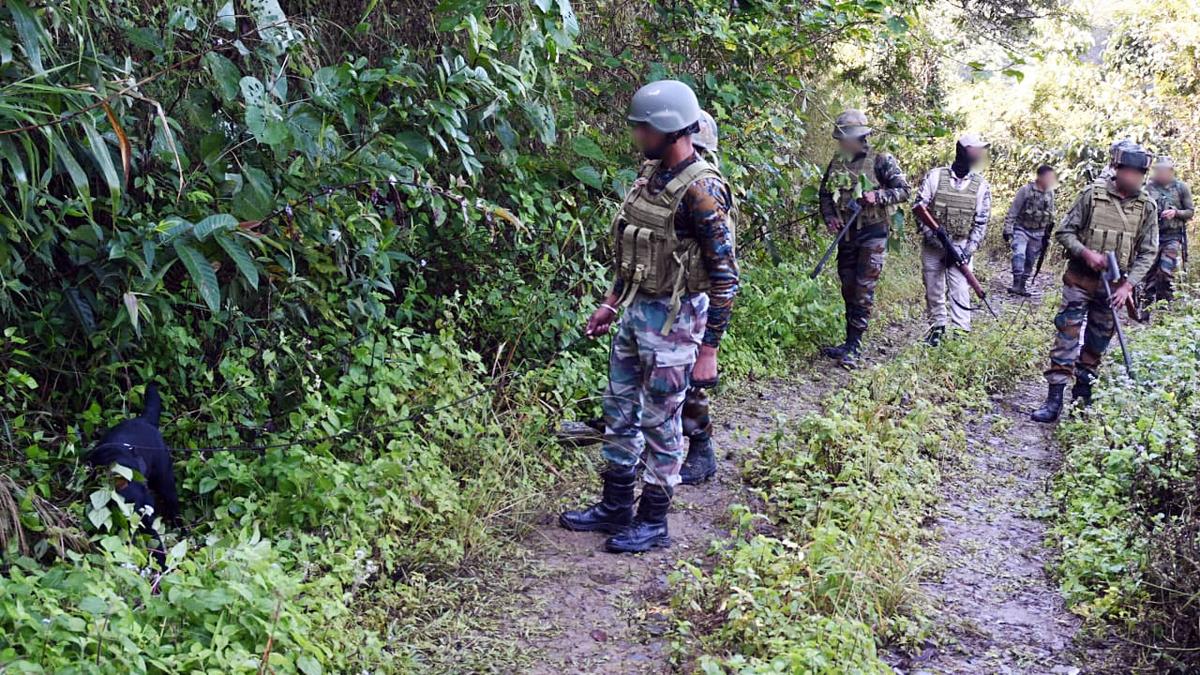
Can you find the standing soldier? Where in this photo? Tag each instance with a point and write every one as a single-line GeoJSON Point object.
{"type": "Point", "coordinates": [960, 200]}
{"type": "Point", "coordinates": [1031, 213]}
{"type": "Point", "coordinates": [676, 278]}
{"type": "Point", "coordinates": [1112, 216]}
{"type": "Point", "coordinates": [875, 181]}
{"type": "Point", "coordinates": [1174, 201]}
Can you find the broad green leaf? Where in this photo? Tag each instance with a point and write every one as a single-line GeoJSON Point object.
{"type": "Point", "coordinates": [202, 274]}
{"type": "Point", "coordinates": [256, 198]}
{"type": "Point", "coordinates": [589, 176]}
{"type": "Point", "coordinates": [104, 161]}
{"type": "Point", "coordinates": [240, 257]}
{"type": "Point", "coordinates": [131, 306]}
{"type": "Point", "coordinates": [29, 32]}
{"type": "Point", "coordinates": [226, 19]}
{"type": "Point", "coordinates": [416, 144]}
{"type": "Point", "coordinates": [226, 75]}
{"type": "Point", "coordinates": [218, 221]}
{"type": "Point", "coordinates": [586, 147]}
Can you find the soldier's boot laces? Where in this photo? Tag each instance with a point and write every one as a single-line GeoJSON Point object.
{"type": "Point", "coordinates": [701, 462]}
{"type": "Point", "coordinates": [649, 527]}
{"type": "Point", "coordinates": [935, 336]}
{"type": "Point", "coordinates": [614, 512]}
{"type": "Point", "coordinates": [1052, 408]}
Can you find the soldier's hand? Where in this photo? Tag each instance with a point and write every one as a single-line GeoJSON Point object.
{"type": "Point", "coordinates": [834, 225]}
{"type": "Point", "coordinates": [1094, 260]}
{"type": "Point", "coordinates": [704, 374]}
{"type": "Point", "coordinates": [871, 197]}
{"type": "Point", "coordinates": [1120, 294]}
{"type": "Point", "coordinates": [1169, 214]}
{"type": "Point", "coordinates": [600, 321]}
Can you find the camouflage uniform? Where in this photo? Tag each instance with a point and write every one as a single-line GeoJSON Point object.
{"type": "Point", "coordinates": [649, 372]}
{"type": "Point", "coordinates": [861, 253]}
{"type": "Point", "coordinates": [1159, 283]}
{"type": "Point", "coordinates": [1083, 298]}
{"type": "Point", "coordinates": [1032, 211]}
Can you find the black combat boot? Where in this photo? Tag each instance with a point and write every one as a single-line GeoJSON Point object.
{"type": "Point", "coordinates": [850, 358]}
{"type": "Point", "coordinates": [1018, 287]}
{"type": "Point", "coordinates": [649, 528]}
{"type": "Point", "coordinates": [701, 462]}
{"type": "Point", "coordinates": [1052, 408]}
{"type": "Point", "coordinates": [836, 352]}
{"type": "Point", "coordinates": [935, 335]}
{"type": "Point", "coordinates": [615, 510]}
{"type": "Point", "coordinates": [1082, 391]}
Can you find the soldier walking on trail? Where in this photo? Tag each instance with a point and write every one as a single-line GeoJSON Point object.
{"type": "Point", "coordinates": [1175, 209]}
{"type": "Point", "coordinates": [875, 181]}
{"type": "Point", "coordinates": [1025, 226]}
{"type": "Point", "coordinates": [960, 200]}
{"type": "Point", "coordinates": [1115, 215]}
{"type": "Point", "coordinates": [676, 279]}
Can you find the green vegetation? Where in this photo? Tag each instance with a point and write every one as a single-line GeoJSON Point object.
{"type": "Point", "coordinates": [830, 569]}
{"type": "Point", "coordinates": [1129, 499]}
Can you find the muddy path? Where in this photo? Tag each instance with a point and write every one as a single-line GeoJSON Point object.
{"type": "Point", "coordinates": [591, 611]}
{"type": "Point", "coordinates": [996, 608]}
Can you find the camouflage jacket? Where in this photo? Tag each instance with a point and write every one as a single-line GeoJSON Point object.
{"type": "Point", "coordinates": [1174, 195]}
{"type": "Point", "coordinates": [1031, 208]}
{"type": "Point", "coordinates": [1079, 218]}
{"type": "Point", "coordinates": [893, 186]}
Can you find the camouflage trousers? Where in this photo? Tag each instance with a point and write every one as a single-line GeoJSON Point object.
{"type": "Point", "coordinates": [860, 263]}
{"type": "Point", "coordinates": [1160, 282]}
{"type": "Point", "coordinates": [648, 378]}
{"type": "Point", "coordinates": [1026, 248]}
{"type": "Point", "coordinates": [1083, 301]}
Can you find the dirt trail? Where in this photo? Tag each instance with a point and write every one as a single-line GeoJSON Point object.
{"type": "Point", "coordinates": [590, 611]}
{"type": "Point", "coordinates": [997, 609]}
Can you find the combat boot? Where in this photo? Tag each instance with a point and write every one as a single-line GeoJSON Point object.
{"type": "Point", "coordinates": [1018, 287]}
{"type": "Point", "coordinates": [1052, 408]}
{"type": "Point", "coordinates": [615, 510]}
{"type": "Point", "coordinates": [850, 358]}
{"type": "Point", "coordinates": [649, 528]}
{"type": "Point", "coordinates": [1082, 391]}
{"type": "Point", "coordinates": [701, 462]}
{"type": "Point", "coordinates": [935, 335]}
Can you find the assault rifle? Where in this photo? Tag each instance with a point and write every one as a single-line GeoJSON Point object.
{"type": "Point", "coordinates": [1042, 254]}
{"type": "Point", "coordinates": [855, 209]}
{"type": "Point", "coordinates": [1113, 273]}
{"type": "Point", "coordinates": [953, 255]}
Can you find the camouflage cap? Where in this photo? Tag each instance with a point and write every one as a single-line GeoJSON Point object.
{"type": "Point", "coordinates": [850, 124]}
{"type": "Point", "coordinates": [706, 137]}
{"type": "Point", "coordinates": [973, 140]}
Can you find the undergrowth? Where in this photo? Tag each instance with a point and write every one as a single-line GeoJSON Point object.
{"type": "Point", "coordinates": [829, 571]}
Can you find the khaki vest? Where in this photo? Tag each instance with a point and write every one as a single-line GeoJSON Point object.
{"type": "Point", "coordinates": [954, 209]}
{"type": "Point", "coordinates": [651, 258]}
{"type": "Point", "coordinates": [1114, 226]}
{"type": "Point", "coordinates": [1038, 209]}
{"type": "Point", "coordinates": [852, 179]}
{"type": "Point", "coordinates": [1168, 197]}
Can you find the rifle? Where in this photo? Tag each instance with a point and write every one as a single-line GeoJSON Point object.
{"type": "Point", "coordinates": [856, 209]}
{"type": "Point", "coordinates": [1110, 274]}
{"type": "Point", "coordinates": [955, 256]}
{"type": "Point", "coordinates": [1042, 254]}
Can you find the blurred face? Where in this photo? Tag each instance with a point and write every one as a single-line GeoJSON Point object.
{"type": "Point", "coordinates": [976, 155]}
{"type": "Point", "coordinates": [851, 146]}
{"type": "Point", "coordinates": [1128, 180]}
{"type": "Point", "coordinates": [652, 143]}
{"type": "Point", "coordinates": [1048, 180]}
{"type": "Point", "coordinates": [1164, 175]}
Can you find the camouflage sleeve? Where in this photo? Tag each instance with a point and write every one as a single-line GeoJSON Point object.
{"type": "Point", "coordinates": [1186, 209]}
{"type": "Point", "coordinates": [1147, 244]}
{"type": "Point", "coordinates": [894, 188]}
{"type": "Point", "coordinates": [706, 206]}
{"type": "Point", "coordinates": [1014, 211]}
{"type": "Point", "coordinates": [829, 210]}
{"type": "Point", "coordinates": [1067, 234]}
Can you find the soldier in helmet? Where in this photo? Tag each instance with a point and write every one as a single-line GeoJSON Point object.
{"type": "Point", "coordinates": [873, 179]}
{"type": "Point", "coordinates": [1115, 216]}
{"type": "Point", "coordinates": [676, 279]}
{"type": "Point", "coordinates": [960, 199]}
{"type": "Point", "coordinates": [1031, 212]}
{"type": "Point", "coordinates": [1175, 209]}
{"type": "Point", "coordinates": [1110, 169]}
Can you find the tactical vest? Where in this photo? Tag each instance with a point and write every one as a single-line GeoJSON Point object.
{"type": "Point", "coordinates": [954, 208]}
{"type": "Point", "coordinates": [652, 259]}
{"type": "Point", "coordinates": [1114, 225]}
{"type": "Point", "coordinates": [1167, 197]}
{"type": "Point", "coordinates": [1038, 210]}
{"type": "Point", "coordinates": [854, 178]}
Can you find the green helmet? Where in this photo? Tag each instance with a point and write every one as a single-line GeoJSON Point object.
{"type": "Point", "coordinates": [666, 105]}
{"type": "Point", "coordinates": [706, 137]}
{"type": "Point", "coordinates": [1132, 156]}
{"type": "Point", "coordinates": [850, 124]}
{"type": "Point", "coordinates": [1117, 146]}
